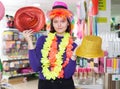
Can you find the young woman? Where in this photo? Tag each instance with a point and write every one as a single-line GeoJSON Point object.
{"type": "Point", "coordinates": [54, 55]}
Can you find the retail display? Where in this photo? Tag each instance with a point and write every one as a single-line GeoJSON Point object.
{"type": "Point", "coordinates": [113, 65]}
{"type": "Point", "coordinates": [15, 49]}
{"type": "Point", "coordinates": [94, 70]}
{"type": "Point", "coordinates": [16, 67]}
{"type": "Point", "coordinates": [89, 71]}
{"type": "Point", "coordinates": [90, 63]}
{"type": "Point", "coordinates": [14, 45]}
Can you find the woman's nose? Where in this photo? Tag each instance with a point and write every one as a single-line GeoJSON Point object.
{"type": "Point", "coordinates": [59, 24]}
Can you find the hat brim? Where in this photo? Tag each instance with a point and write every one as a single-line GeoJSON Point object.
{"type": "Point", "coordinates": [31, 11]}
{"type": "Point", "coordinates": [59, 12]}
{"type": "Point", "coordinates": [88, 54]}
{"type": "Point", "coordinates": [2, 10]}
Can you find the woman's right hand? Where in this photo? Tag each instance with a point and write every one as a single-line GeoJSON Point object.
{"type": "Point", "coordinates": [28, 35]}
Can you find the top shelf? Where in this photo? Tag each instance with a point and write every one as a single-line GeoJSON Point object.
{"type": "Point", "coordinates": [15, 60]}
{"type": "Point", "coordinates": [114, 30]}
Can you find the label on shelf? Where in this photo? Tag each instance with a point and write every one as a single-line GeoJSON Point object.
{"type": "Point", "coordinates": [116, 77]}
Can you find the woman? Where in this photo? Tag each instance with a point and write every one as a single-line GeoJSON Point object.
{"type": "Point", "coordinates": [54, 54]}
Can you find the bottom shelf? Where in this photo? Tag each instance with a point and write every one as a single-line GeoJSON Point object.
{"type": "Point", "coordinates": [8, 75]}
{"type": "Point", "coordinates": [88, 83]}
{"type": "Point", "coordinates": [19, 78]}
{"type": "Point", "coordinates": [93, 86]}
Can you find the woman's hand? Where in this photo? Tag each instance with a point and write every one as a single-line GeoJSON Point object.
{"type": "Point", "coordinates": [74, 54]}
{"type": "Point", "coordinates": [28, 37]}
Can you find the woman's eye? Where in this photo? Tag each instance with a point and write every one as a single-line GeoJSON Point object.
{"type": "Point", "coordinates": [63, 21]}
{"type": "Point", "coordinates": [55, 21]}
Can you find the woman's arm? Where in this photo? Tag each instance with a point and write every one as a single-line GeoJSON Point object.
{"type": "Point", "coordinates": [70, 68]}
{"type": "Point", "coordinates": [34, 51]}
{"type": "Point", "coordinates": [35, 54]}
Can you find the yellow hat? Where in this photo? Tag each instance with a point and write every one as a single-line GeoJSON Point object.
{"type": "Point", "coordinates": [90, 47]}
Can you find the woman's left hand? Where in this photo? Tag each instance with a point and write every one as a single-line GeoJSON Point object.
{"type": "Point", "coordinates": [74, 54]}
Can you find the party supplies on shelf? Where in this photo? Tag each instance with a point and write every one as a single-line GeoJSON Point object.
{"type": "Point", "coordinates": [109, 65]}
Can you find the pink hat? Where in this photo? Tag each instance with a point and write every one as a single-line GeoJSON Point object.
{"type": "Point", "coordinates": [59, 4]}
{"type": "Point", "coordinates": [59, 9]}
{"type": "Point", "coordinates": [2, 10]}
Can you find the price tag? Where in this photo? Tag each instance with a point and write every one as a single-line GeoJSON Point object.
{"type": "Point", "coordinates": [116, 77]}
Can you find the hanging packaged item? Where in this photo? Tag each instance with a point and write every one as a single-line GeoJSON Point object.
{"type": "Point", "coordinates": [10, 21]}
{"type": "Point", "coordinates": [16, 36]}
{"type": "Point", "coordinates": [93, 7]}
{"type": "Point", "coordinates": [1, 67]}
{"type": "Point", "coordinates": [101, 65]}
{"type": "Point", "coordinates": [109, 65]}
{"type": "Point", "coordinates": [96, 65]}
{"type": "Point", "coordinates": [119, 66]}
{"type": "Point", "coordinates": [7, 35]}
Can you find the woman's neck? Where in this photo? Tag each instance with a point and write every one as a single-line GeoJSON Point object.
{"type": "Point", "coordinates": [60, 34]}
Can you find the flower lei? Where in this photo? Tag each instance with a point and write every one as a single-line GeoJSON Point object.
{"type": "Point", "coordinates": [52, 60]}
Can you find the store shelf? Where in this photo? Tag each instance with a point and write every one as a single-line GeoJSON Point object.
{"type": "Point", "coordinates": [93, 86]}
{"type": "Point", "coordinates": [18, 75]}
{"type": "Point", "coordinates": [15, 50]}
{"type": "Point", "coordinates": [116, 31]}
{"type": "Point", "coordinates": [10, 60]}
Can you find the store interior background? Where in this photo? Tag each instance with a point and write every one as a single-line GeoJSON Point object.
{"type": "Point", "coordinates": [11, 6]}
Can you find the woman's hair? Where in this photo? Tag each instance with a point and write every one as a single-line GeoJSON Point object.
{"type": "Point", "coordinates": [52, 30]}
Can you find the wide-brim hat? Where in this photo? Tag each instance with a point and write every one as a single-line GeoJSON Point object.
{"type": "Point", "coordinates": [2, 10]}
{"type": "Point", "coordinates": [29, 17]}
{"type": "Point", "coordinates": [90, 47]}
{"type": "Point", "coordinates": [59, 9]}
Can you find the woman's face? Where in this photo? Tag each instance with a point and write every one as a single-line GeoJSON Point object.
{"type": "Point", "coordinates": [60, 24]}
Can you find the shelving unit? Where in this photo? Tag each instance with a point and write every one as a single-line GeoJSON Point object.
{"type": "Point", "coordinates": [17, 67]}
{"type": "Point", "coordinates": [93, 86]}
{"type": "Point", "coordinates": [116, 31]}
{"type": "Point", "coordinates": [15, 49]}
{"type": "Point", "coordinates": [89, 73]}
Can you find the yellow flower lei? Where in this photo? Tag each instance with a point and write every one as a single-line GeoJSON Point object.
{"type": "Point", "coordinates": [52, 74]}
